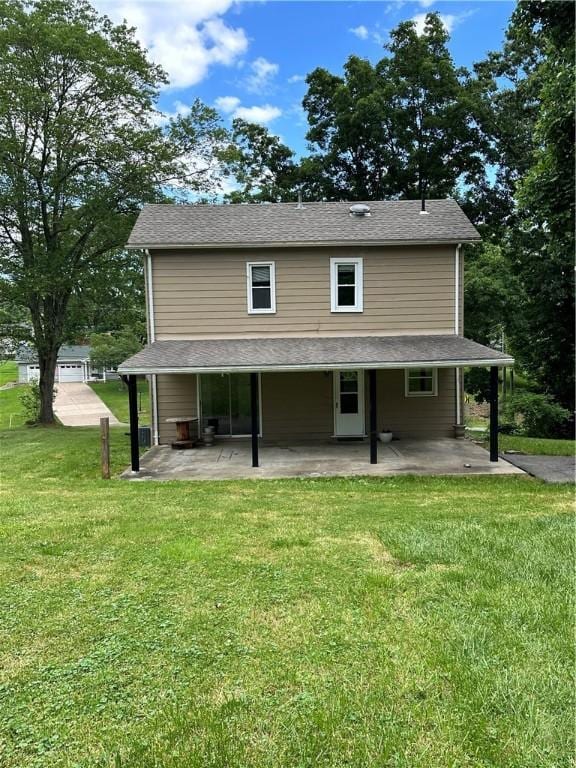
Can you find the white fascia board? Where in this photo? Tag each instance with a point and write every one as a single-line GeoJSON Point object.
{"type": "Point", "coordinates": [295, 244]}
{"type": "Point", "coordinates": [500, 362]}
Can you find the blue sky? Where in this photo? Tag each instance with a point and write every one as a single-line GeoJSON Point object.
{"type": "Point", "coordinates": [249, 58]}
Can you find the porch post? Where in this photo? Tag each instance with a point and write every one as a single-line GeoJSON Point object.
{"type": "Point", "coordinates": [133, 408]}
{"type": "Point", "coordinates": [494, 413]}
{"type": "Point", "coordinates": [373, 418]}
{"type": "Point", "coordinates": [254, 416]}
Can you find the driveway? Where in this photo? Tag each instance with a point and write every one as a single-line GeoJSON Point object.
{"type": "Point", "coordinates": [552, 469]}
{"type": "Point", "coordinates": [77, 405]}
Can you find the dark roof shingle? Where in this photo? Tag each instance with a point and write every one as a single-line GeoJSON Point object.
{"type": "Point", "coordinates": [313, 353]}
{"type": "Point", "coordinates": [393, 221]}
{"type": "Point", "coordinates": [28, 354]}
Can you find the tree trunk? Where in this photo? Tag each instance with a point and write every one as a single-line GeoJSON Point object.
{"type": "Point", "coordinates": [47, 362]}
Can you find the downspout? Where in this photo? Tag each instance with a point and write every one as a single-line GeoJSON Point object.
{"type": "Point", "coordinates": [151, 340]}
{"type": "Point", "coordinates": [457, 328]}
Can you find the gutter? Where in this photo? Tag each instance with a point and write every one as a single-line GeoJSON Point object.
{"type": "Point", "coordinates": [294, 244]}
{"type": "Point", "coordinates": [478, 363]}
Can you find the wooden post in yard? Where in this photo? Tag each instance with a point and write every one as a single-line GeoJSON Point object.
{"type": "Point", "coordinates": [105, 446]}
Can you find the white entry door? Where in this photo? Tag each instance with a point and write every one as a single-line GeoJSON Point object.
{"type": "Point", "coordinates": [349, 403]}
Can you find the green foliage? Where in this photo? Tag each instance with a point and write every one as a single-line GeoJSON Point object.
{"type": "Point", "coordinates": [81, 152]}
{"type": "Point", "coordinates": [30, 401]}
{"type": "Point", "coordinates": [535, 415]}
{"type": "Point", "coordinates": [492, 293]}
{"type": "Point", "coordinates": [260, 163]}
{"type": "Point", "coordinates": [111, 349]}
{"type": "Point", "coordinates": [529, 116]}
{"type": "Point", "coordinates": [402, 127]}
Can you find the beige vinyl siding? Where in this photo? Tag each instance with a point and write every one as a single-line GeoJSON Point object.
{"type": "Point", "coordinates": [177, 396]}
{"type": "Point", "coordinates": [203, 293]}
{"type": "Point", "coordinates": [416, 417]}
{"type": "Point", "coordinates": [297, 406]}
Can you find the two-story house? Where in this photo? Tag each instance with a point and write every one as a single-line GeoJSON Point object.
{"type": "Point", "coordinates": [297, 322]}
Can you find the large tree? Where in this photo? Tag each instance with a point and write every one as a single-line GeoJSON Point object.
{"type": "Point", "coordinates": [528, 208]}
{"type": "Point", "coordinates": [404, 127]}
{"type": "Point", "coordinates": [262, 166]}
{"type": "Point", "coordinates": [545, 261]}
{"type": "Point", "coordinates": [81, 148]}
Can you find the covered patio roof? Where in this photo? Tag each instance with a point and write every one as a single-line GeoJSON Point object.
{"type": "Point", "coordinates": [311, 354]}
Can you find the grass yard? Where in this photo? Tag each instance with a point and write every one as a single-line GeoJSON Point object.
{"type": "Point", "coordinates": [534, 446]}
{"type": "Point", "coordinates": [537, 445]}
{"type": "Point", "coordinates": [8, 371]}
{"type": "Point", "coordinates": [11, 412]}
{"type": "Point", "coordinates": [409, 622]}
{"type": "Point", "coordinates": [115, 395]}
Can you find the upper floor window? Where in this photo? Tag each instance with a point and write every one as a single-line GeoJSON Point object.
{"type": "Point", "coordinates": [346, 285]}
{"type": "Point", "coordinates": [421, 382]}
{"type": "Point", "coordinates": [261, 287]}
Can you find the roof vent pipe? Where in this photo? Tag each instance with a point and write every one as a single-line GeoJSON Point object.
{"type": "Point", "coordinates": [300, 205]}
{"type": "Point", "coordinates": [423, 209]}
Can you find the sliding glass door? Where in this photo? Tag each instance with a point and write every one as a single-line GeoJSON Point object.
{"type": "Point", "coordinates": [225, 402]}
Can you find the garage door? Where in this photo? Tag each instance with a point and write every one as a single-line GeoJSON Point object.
{"type": "Point", "coordinates": [33, 372]}
{"type": "Point", "coordinates": [71, 372]}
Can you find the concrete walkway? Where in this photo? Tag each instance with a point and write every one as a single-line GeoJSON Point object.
{"type": "Point", "coordinates": [77, 405]}
{"type": "Point", "coordinates": [551, 469]}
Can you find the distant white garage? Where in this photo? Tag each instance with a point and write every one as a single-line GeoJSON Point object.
{"type": "Point", "coordinates": [73, 365]}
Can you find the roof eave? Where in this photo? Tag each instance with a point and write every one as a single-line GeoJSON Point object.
{"type": "Point", "coordinates": [298, 244]}
{"type": "Point", "coordinates": [462, 363]}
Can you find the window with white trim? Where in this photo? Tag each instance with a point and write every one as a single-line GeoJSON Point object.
{"type": "Point", "coordinates": [346, 289]}
{"type": "Point", "coordinates": [261, 278]}
{"type": "Point", "coordinates": [421, 382]}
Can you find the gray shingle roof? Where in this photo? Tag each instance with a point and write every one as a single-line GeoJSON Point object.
{"type": "Point", "coordinates": [394, 221]}
{"type": "Point", "coordinates": [313, 353]}
{"type": "Point", "coordinates": [73, 352]}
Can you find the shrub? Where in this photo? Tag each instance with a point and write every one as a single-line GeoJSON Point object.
{"type": "Point", "coordinates": [29, 397]}
{"type": "Point", "coordinates": [535, 415]}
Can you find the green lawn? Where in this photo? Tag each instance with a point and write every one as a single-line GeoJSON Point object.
{"type": "Point", "coordinates": [115, 395]}
{"type": "Point", "coordinates": [8, 371]}
{"type": "Point", "coordinates": [402, 622]}
{"type": "Point", "coordinates": [11, 412]}
{"type": "Point", "coordinates": [537, 445]}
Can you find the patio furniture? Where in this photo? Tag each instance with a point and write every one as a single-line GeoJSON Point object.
{"type": "Point", "coordinates": [183, 439]}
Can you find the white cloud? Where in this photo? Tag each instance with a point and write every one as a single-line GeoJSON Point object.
{"type": "Point", "coordinates": [227, 103]}
{"type": "Point", "coordinates": [186, 38]}
{"type": "Point", "coordinates": [297, 78]}
{"type": "Point", "coordinates": [360, 31]}
{"type": "Point", "coordinates": [425, 3]}
{"type": "Point", "coordinates": [262, 115]}
{"type": "Point", "coordinates": [262, 72]}
{"type": "Point", "coordinates": [232, 106]}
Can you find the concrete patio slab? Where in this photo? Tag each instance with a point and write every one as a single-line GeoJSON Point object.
{"type": "Point", "coordinates": [231, 459]}
{"type": "Point", "coordinates": [551, 469]}
{"type": "Point", "coordinates": [77, 405]}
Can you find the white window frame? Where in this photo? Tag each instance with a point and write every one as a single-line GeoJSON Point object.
{"type": "Point", "coordinates": [358, 286]}
{"type": "Point", "coordinates": [434, 392]}
{"type": "Point", "coordinates": [272, 309]}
